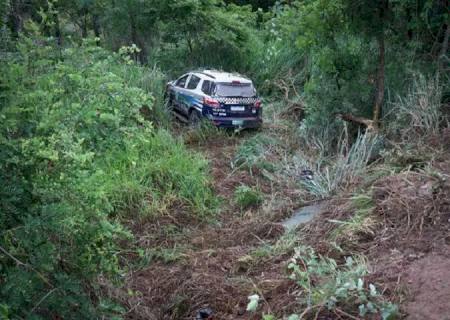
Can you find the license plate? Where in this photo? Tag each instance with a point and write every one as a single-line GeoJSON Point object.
{"type": "Point", "coordinates": [238, 122]}
{"type": "Point", "coordinates": [237, 108]}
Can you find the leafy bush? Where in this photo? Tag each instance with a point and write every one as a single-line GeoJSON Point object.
{"type": "Point", "coordinates": [327, 284]}
{"type": "Point", "coordinates": [75, 154]}
{"type": "Point", "coordinates": [247, 197]}
{"type": "Point", "coordinates": [252, 152]}
{"type": "Point", "coordinates": [338, 288]}
{"type": "Point", "coordinates": [198, 34]}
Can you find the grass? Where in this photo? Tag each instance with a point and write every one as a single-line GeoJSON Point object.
{"type": "Point", "coordinates": [246, 197]}
{"type": "Point", "coordinates": [360, 223]}
{"type": "Point", "coordinates": [336, 173]}
{"type": "Point", "coordinates": [252, 153]}
{"type": "Point", "coordinates": [419, 112]}
{"type": "Point", "coordinates": [165, 255]}
{"type": "Point", "coordinates": [284, 245]}
{"type": "Point", "coordinates": [205, 132]}
{"type": "Point", "coordinates": [155, 178]}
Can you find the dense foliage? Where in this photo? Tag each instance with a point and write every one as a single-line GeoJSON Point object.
{"type": "Point", "coordinates": [82, 138]}
{"type": "Point", "coordinates": [76, 155]}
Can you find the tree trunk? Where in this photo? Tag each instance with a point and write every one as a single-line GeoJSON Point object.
{"type": "Point", "coordinates": [379, 96]}
{"type": "Point", "coordinates": [15, 18]}
{"type": "Point", "coordinates": [96, 26]}
{"type": "Point", "coordinates": [444, 49]}
{"type": "Point", "coordinates": [58, 34]}
{"type": "Point", "coordinates": [84, 27]}
{"type": "Point", "coordinates": [142, 55]}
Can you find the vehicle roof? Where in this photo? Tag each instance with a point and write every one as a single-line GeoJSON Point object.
{"type": "Point", "coordinates": [221, 76]}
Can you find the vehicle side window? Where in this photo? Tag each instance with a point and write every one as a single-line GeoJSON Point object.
{"type": "Point", "coordinates": [193, 83]}
{"type": "Point", "coordinates": [207, 87]}
{"type": "Point", "coordinates": [182, 81]}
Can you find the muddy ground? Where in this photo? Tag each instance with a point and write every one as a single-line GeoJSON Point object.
{"type": "Point", "coordinates": [408, 247]}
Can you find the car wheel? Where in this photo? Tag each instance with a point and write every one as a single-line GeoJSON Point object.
{"type": "Point", "coordinates": [194, 119]}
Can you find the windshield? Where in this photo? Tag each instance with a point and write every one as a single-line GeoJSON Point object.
{"type": "Point", "coordinates": [235, 90]}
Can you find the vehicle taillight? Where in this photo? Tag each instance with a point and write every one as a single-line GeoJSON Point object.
{"type": "Point", "coordinates": [257, 104]}
{"type": "Point", "coordinates": [211, 102]}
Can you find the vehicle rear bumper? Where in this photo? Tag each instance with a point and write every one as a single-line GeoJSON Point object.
{"type": "Point", "coordinates": [247, 122]}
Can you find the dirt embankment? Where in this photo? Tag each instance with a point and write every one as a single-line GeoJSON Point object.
{"type": "Point", "coordinates": [405, 236]}
{"type": "Point", "coordinates": [213, 271]}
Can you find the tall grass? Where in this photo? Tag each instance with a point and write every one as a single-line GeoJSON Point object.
{"type": "Point", "coordinates": [252, 153]}
{"type": "Point", "coordinates": [419, 112]}
{"type": "Point", "coordinates": [153, 176]}
{"type": "Point", "coordinates": [336, 172]}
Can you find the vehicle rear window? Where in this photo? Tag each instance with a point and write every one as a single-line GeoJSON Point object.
{"type": "Point", "coordinates": [235, 90]}
{"type": "Point", "coordinates": [207, 87]}
{"type": "Point", "coordinates": [193, 83]}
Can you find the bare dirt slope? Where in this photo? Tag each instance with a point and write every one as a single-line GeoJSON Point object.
{"type": "Point", "coordinates": [429, 284]}
{"type": "Point", "coordinates": [407, 244]}
{"type": "Point", "coordinates": [214, 270]}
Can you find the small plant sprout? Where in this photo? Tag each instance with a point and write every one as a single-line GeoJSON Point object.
{"type": "Point", "coordinates": [253, 303]}
{"type": "Point", "coordinates": [247, 197]}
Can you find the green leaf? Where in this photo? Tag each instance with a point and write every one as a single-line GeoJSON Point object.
{"type": "Point", "coordinates": [373, 290]}
{"type": "Point", "coordinates": [389, 311]}
{"type": "Point", "coordinates": [253, 304]}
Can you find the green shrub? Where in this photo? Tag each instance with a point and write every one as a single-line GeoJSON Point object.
{"type": "Point", "coordinates": [75, 155]}
{"type": "Point", "coordinates": [247, 197]}
{"type": "Point", "coordinates": [252, 153]}
{"type": "Point", "coordinates": [327, 284]}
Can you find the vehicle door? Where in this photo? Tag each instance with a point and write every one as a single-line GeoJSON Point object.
{"type": "Point", "coordinates": [194, 95]}
{"type": "Point", "coordinates": [179, 93]}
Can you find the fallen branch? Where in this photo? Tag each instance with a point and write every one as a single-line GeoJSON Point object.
{"type": "Point", "coordinates": [26, 265]}
{"type": "Point", "coordinates": [370, 124]}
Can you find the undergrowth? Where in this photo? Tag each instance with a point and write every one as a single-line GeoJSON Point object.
{"type": "Point", "coordinates": [252, 153]}
{"type": "Point", "coordinates": [336, 172]}
{"type": "Point", "coordinates": [327, 286]}
{"type": "Point", "coordinates": [246, 197]}
{"type": "Point", "coordinates": [77, 156]}
{"type": "Point", "coordinates": [361, 222]}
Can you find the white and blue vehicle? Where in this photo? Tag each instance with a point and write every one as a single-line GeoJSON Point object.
{"type": "Point", "coordinates": [227, 100]}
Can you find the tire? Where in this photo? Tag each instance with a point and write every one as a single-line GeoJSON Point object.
{"type": "Point", "coordinates": [194, 119]}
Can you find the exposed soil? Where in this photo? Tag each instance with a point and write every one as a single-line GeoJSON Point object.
{"type": "Point", "coordinates": [406, 239]}
{"type": "Point", "coordinates": [428, 281]}
{"type": "Point", "coordinates": [214, 270]}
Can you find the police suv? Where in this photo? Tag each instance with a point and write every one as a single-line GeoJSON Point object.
{"type": "Point", "coordinates": [227, 100]}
